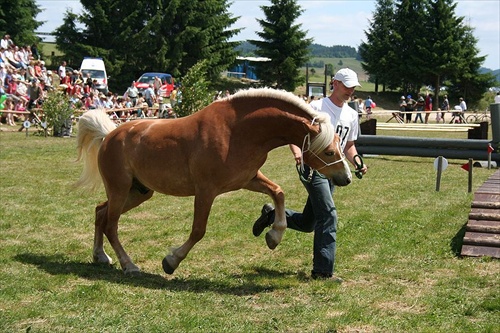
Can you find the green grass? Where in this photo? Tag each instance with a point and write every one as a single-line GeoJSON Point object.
{"type": "Point", "coordinates": [352, 63]}
{"type": "Point", "coordinates": [397, 245]}
{"type": "Point", "coordinates": [47, 50]}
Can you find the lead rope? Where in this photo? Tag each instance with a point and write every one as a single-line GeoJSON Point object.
{"type": "Point", "coordinates": [307, 140]}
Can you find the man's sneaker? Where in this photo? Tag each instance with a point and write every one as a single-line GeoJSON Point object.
{"type": "Point", "coordinates": [326, 277]}
{"type": "Point", "coordinates": [263, 221]}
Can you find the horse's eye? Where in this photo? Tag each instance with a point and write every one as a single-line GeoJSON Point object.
{"type": "Point", "coordinates": [329, 153]}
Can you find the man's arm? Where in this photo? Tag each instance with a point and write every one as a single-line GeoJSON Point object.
{"type": "Point", "coordinates": [297, 153]}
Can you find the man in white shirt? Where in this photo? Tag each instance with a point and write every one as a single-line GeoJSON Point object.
{"type": "Point", "coordinates": [149, 95]}
{"type": "Point", "coordinates": [62, 70]}
{"type": "Point", "coordinates": [319, 214]}
{"type": "Point", "coordinates": [497, 97]}
{"type": "Point", "coordinates": [463, 106]}
{"type": "Point", "coordinates": [6, 42]}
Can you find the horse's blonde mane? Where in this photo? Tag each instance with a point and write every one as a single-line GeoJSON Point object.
{"type": "Point", "coordinates": [322, 140]}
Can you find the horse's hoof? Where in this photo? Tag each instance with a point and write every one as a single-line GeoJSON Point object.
{"type": "Point", "coordinates": [132, 270]}
{"type": "Point", "coordinates": [271, 242]}
{"type": "Point", "coordinates": [167, 267]}
{"type": "Point", "coordinates": [102, 258]}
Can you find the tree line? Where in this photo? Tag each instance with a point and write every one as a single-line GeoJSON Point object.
{"type": "Point", "coordinates": [158, 36]}
{"type": "Point", "coordinates": [246, 49]}
{"type": "Point", "coordinates": [410, 44]}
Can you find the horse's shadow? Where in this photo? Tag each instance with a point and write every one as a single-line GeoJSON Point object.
{"type": "Point", "coordinates": [248, 283]}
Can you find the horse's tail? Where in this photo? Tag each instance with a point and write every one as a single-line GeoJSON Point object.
{"type": "Point", "coordinates": [93, 127]}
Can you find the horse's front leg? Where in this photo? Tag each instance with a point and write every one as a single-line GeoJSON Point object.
{"type": "Point", "coordinates": [202, 205]}
{"type": "Point", "coordinates": [262, 184]}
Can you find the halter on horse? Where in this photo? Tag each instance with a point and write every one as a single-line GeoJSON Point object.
{"type": "Point", "coordinates": [216, 150]}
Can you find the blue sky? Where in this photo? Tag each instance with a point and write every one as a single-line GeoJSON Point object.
{"type": "Point", "coordinates": [329, 22]}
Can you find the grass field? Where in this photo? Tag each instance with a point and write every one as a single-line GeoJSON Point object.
{"type": "Point", "coordinates": [397, 250]}
{"type": "Point", "coordinates": [337, 63]}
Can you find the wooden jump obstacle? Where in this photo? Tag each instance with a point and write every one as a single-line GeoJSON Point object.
{"type": "Point", "coordinates": [482, 236]}
{"type": "Point", "coordinates": [474, 131]}
{"type": "Point", "coordinates": [426, 127]}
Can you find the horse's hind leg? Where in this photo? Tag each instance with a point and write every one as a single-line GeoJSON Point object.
{"type": "Point", "coordinates": [107, 216]}
{"type": "Point", "coordinates": [202, 206]}
{"type": "Point", "coordinates": [262, 184]}
{"type": "Point", "coordinates": [98, 253]}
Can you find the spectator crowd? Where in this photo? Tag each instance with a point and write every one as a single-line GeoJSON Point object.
{"type": "Point", "coordinates": [23, 76]}
{"type": "Point", "coordinates": [25, 82]}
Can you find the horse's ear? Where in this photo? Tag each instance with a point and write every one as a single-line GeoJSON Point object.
{"type": "Point", "coordinates": [314, 128]}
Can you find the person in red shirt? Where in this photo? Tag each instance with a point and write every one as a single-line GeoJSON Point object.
{"type": "Point", "coordinates": [428, 107]}
{"type": "Point", "coordinates": [66, 84]}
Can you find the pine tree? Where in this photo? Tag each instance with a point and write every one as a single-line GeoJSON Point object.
{"type": "Point", "coordinates": [468, 82]}
{"type": "Point", "coordinates": [164, 35]}
{"type": "Point", "coordinates": [208, 36]}
{"type": "Point", "coordinates": [18, 19]}
{"type": "Point", "coordinates": [440, 51]}
{"type": "Point", "coordinates": [424, 43]}
{"type": "Point", "coordinates": [70, 40]}
{"type": "Point", "coordinates": [409, 31]}
{"type": "Point", "coordinates": [284, 43]}
{"type": "Point", "coordinates": [378, 53]}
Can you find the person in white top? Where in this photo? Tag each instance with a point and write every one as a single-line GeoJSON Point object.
{"type": "Point", "coordinates": [62, 70]}
{"type": "Point", "coordinates": [463, 106]}
{"type": "Point", "coordinates": [497, 97]}
{"type": "Point", "coordinates": [6, 42]}
{"type": "Point", "coordinates": [319, 214]}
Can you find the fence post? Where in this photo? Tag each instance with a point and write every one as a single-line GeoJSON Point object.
{"type": "Point", "coordinates": [369, 127]}
{"type": "Point", "coordinates": [495, 123]}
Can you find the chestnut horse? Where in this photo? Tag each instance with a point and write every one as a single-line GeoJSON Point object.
{"type": "Point", "coordinates": [216, 150]}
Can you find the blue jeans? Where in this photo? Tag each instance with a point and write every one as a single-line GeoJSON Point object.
{"type": "Point", "coordinates": [319, 215]}
{"type": "Point", "coordinates": [419, 115]}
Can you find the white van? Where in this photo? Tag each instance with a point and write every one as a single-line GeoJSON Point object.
{"type": "Point", "coordinates": [95, 67]}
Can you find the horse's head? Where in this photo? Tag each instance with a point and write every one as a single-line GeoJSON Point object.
{"type": "Point", "coordinates": [321, 150]}
{"type": "Point", "coordinates": [330, 162]}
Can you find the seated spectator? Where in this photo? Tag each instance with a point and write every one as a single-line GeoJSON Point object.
{"type": "Point", "coordinates": [3, 75]}
{"type": "Point", "coordinates": [89, 101]}
{"type": "Point", "coordinates": [75, 75]}
{"type": "Point", "coordinates": [45, 87]}
{"type": "Point", "coordinates": [25, 54]}
{"type": "Point", "coordinates": [66, 84]}
{"type": "Point", "coordinates": [128, 102]}
{"type": "Point", "coordinates": [103, 102]}
{"type": "Point", "coordinates": [37, 65]}
{"type": "Point", "coordinates": [23, 74]}
{"type": "Point", "coordinates": [13, 86]}
{"type": "Point", "coordinates": [22, 88]}
{"type": "Point", "coordinates": [9, 106]}
{"type": "Point", "coordinates": [48, 78]}
{"type": "Point", "coordinates": [19, 57]}
{"type": "Point", "coordinates": [35, 94]}
{"type": "Point", "coordinates": [9, 56]}
{"type": "Point", "coordinates": [77, 89]}
{"type": "Point", "coordinates": [6, 41]}
{"type": "Point", "coordinates": [30, 71]}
